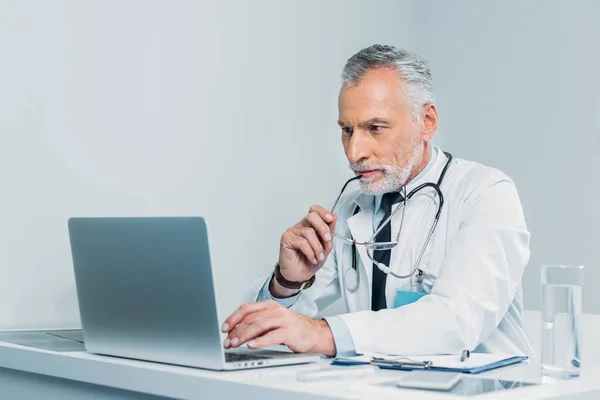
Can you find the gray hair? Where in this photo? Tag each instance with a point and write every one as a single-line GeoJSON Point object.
{"type": "Point", "coordinates": [418, 89]}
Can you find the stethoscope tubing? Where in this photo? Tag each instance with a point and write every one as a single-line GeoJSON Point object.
{"type": "Point", "coordinates": [384, 268]}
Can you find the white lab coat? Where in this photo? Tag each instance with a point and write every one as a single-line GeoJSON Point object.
{"type": "Point", "coordinates": [474, 265]}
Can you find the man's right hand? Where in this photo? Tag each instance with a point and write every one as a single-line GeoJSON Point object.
{"type": "Point", "coordinates": [304, 248]}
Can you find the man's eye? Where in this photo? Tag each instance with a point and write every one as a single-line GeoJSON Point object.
{"type": "Point", "coordinates": [376, 128]}
{"type": "Point", "coordinates": [347, 130]}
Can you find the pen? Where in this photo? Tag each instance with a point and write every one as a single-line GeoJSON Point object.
{"type": "Point", "coordinates": [399, 363]}
{"type": "Point", "coordinates": [465, 354]}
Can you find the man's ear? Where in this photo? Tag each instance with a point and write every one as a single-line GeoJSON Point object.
{"type": "Point", "coordinates": [430, 122]}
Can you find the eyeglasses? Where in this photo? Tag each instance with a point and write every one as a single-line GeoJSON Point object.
{"type": "Point", "coordinates": [371, 244]}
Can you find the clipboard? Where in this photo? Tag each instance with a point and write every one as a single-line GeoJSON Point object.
{"type": "Point", "coordinates": [478, 362]}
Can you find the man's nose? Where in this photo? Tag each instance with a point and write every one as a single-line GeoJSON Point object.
{"type": "Point", "coordinates": [357, 149]}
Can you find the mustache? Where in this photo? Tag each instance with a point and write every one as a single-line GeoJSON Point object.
{"type": "Point", "coordinates": [359, 167]}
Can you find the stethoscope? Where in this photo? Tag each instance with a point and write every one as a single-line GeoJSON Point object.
{"type": "Point", "coordinates": [351, 276]}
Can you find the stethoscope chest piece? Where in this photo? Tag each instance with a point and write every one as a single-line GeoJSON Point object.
{"type": "Point", "coordinates": [351, 279]}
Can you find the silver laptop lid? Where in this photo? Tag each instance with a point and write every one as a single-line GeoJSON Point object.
{"type": "Point", "coordinates": [145, 289]}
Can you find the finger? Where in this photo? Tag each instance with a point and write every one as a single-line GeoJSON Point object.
{"type": "Point", "coordinates": [323, 212]}
{"type": "Point", "coordinates": [243, 310]}
{"type": "Point", "coordinates": [256, 324]}
{"type": "Point", "coordinates": [315, 221]}
{"type": "Point", "coordinates": [311, 236]}
{"type": "Point", "coordinates": [329, 245]}
{"type": "Point", "coordinates": [333, 223]}
{"type": "Point", "coordinates": [276, 336]}
{"type": "Point", "coordinates": [300, 243]}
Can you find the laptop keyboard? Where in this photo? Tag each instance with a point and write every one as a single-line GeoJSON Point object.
{"type": "Point", "coordinates": [233, 357]}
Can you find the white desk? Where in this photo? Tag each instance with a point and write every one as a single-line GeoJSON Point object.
{"type": "Point", "coordinates": [27, 372]}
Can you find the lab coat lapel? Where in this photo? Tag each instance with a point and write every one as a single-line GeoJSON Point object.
{"type": "Point", "coordinates": [361, 229]}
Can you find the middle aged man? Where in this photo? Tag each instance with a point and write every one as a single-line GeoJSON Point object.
{"type": "Point", "coordinates": [442, 275]}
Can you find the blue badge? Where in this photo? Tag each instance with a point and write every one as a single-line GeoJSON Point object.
{"type": "Point", "coordinates": [403, 297]}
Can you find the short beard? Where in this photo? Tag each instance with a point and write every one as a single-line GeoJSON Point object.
{"type": "Point", "coordinates": [394, 177]}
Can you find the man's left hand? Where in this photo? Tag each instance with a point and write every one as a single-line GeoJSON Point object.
{"type": "Point", "coordinates": [267, 323]}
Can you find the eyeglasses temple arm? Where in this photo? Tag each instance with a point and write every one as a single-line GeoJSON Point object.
{"type": "Point", "coordinates": [344, 188]}
{"type": "Point", "coordinates": [337, 235]}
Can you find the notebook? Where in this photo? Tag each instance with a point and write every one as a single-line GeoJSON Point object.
{"type": "Point", "coordinates": [475, 364]}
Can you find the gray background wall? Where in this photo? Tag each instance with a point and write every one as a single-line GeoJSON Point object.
{"type": "Point", "coordinates": [518, 88]}
{"type": "Point", "coordinates": [225, 109]}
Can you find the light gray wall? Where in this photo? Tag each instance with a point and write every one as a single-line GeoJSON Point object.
{"type": "Point", "coordinates": [518, 88]}
{"type": "Point", "coordinates": [225, 109]}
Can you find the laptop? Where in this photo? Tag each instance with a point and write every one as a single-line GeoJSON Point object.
{"type": "Point", "coordinates": [145, 291]}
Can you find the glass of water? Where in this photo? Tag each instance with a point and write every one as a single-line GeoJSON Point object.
{"type": "Point", "coordinates": [562, 287]}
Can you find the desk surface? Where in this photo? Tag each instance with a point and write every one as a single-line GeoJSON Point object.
{"type": "Point", "coordinates": [267, 383]}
